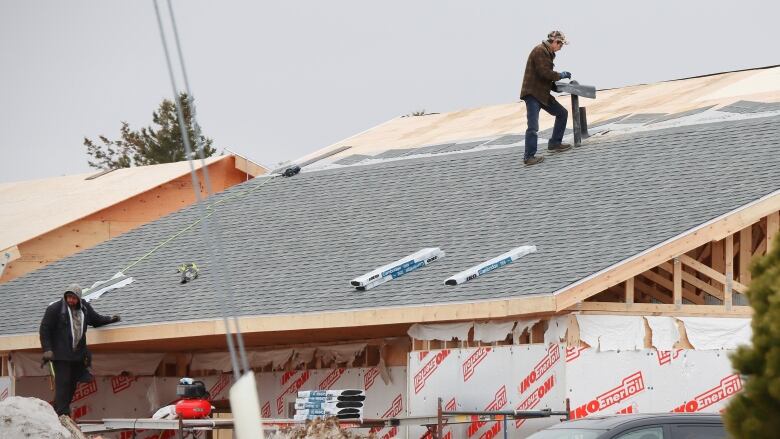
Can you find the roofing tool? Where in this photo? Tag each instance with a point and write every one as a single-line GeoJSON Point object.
{"type": "Point", "coordinates": [397, 269]}
{"type": "Point", "coordinates": [188, 272]}
{"type": "Point", "coordinates": [490, 265]}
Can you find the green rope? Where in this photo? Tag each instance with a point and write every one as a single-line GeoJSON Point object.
{"type": "Point", "coordinates": [210, 209]}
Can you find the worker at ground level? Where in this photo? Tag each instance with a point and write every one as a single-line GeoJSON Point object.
{"type": "Point", "coordinates": [537, 83]}
{"type": "Point", "coordinates": [63, 339]}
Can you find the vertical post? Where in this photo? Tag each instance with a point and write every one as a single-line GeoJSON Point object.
{"type": "Point", "coordinates": [584, 123]}
{"type": "Point", "coordinates": [772, 227]}
{"type": "Point", "coordinates": [575, 117]}
{"type": "Point", "coordinates": [677, 278]}
{"type": "Point", "coordinates": [505, 429]}
{"type": "Point", "coordinates": [745, 253]}
{"type": "Point", "coordinates": [630, 291]}
{"type": "Point", "coordinates": [729, 272]}
{"type": "Point", "coordinates": [439, 421]}
{"type": "Point", "coordinates": [718, 260]}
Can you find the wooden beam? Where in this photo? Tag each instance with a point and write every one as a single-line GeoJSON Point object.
{"type": "Point", "coordinates": [772, 227]}
{"type": "Point", "coordinates": [669, 284]}
{"type": "Point", "coordinates": [249, 167]}
{"type": "Point", "coordinates": [661, 309]}
{"type": "Point", "coordinates": [745, 253]}
{"type": "Point", "coordinates": [727, 287]}
{"type": "Point", "coordinates": [630, 290]}
{"type": "Point", "coordinates": [705, 252]}
{"type": "Point", "coordinates": [651, 291]}
{"type": "Point", "coordinates": [760, 249]}
{"type": "Point", "coordinates": [716, 229]}
{"type": "Point", "coordinates": [677, 280]}
{"type": "Point", "coordinates": [709, 272]}
{"type": "Point", "coordinates": [702, 285]}
{"type": "Point", "coordinates": [718, 258]}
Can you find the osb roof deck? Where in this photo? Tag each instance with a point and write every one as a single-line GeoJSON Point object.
{"type": "Point", "coordinates": [663, 97]}
{"type": "Point", "coordinates": [32, 208]}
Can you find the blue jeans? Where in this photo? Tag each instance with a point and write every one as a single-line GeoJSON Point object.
{"type": "Point", "coordinates": [532, 107]}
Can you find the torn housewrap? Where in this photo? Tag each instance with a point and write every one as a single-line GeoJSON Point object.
{"type": "Point", "coordinates": [664, 332]}
{"type": "Point", "coordinates": [521, 327]}
{"type": "Point", "coordinates": [717, 332]}
{"type": "Point", "coordinates": [28, 364]}
{"type": "Point", "coordinates": [339, 354]}
{"type": "Point", "coordinates": [441, 331]}
{"type": "Point", "coordinates": [491, 332]}
{"type": "Point", "coordinates": [612, 333]}
{"type": "Point", "coordinates": [556, 330]}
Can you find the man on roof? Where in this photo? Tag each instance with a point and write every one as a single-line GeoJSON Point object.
{"type": "Point", "coordinates": [537, 83]}
{"type": "Point", "coordinates": [63, 339]}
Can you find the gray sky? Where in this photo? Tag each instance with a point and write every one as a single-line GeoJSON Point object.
{"type": "Point", "coordinates": [276, 80]}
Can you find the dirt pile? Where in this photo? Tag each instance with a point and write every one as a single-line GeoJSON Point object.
{"type": "Point", "coordinates": [320, 429]}
{"type": "Point", "coordinates": [29, 418]}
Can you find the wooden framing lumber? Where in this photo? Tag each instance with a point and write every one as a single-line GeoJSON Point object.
{"type": "Point", "coordinates": [709, 272]}
{"type": "Point", "coordinates": [661, 309]}
{"type": "Point", "coordinates": [772, 227]}
{"type": "Point", "coordinates": [651, 291]}
{"type": "Point", "coordinates": [630, 290]}
{"type": "Point", "coordinates": [745, 253]}
{"type": "Point", "coordinates": [718, 228]}
{"type": "Point", "coordinates": [702, 285]}
{"type": "Point", "coordinates": [669, 284]}
{"type": "Point", "coordinates": [727, 287]}
{"type": "Point", "coordinates": [677, 281]}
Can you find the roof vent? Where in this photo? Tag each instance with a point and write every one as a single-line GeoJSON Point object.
{"type": "Point", "coordinates": [490, 265]}
{"type": "Point", "coordinates": [397, 269]}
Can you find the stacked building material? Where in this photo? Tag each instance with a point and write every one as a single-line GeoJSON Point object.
{"type": "Point", "coordinates": [342, 404]}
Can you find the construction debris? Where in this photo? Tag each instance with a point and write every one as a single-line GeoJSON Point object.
{"type": "Point", "coordinates": [30, 418]}
{"type": "Point", "coordinates": [320, 429]}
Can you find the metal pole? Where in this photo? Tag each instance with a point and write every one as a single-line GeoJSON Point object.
{"type": "Point", "coordinates": [505, 429]}
{"type": "Point", "coordinates": [575, 116]}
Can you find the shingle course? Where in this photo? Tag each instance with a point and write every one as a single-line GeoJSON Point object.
{"type": "Point", "coordinates": [293, 245]}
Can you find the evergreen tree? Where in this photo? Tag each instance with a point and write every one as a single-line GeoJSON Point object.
{"type": "Point", "coordinates": [755, 412]}
{"type": "Point", "coordinates": [149, 145]}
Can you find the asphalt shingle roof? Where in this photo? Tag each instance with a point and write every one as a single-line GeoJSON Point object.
{"type": "Point", "coordinates": [292, 245]}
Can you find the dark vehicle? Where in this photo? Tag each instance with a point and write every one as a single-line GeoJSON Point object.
{"type": "Point", "coordinates": [639, 426]}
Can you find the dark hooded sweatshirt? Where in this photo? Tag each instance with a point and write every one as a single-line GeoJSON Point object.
{"type": "Point", "coordinates": [57, 329]}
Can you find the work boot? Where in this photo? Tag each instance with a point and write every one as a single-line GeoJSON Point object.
{"type": "Point", "coordinates": [559, 147]}
{"type": "Point", "coordinates": [533, 161]}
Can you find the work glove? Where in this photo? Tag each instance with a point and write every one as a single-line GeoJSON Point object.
{"type": "Point", "coordinates": [115, 319]}
{"type": "Point", "coordinates": [47, 356]}
{"type": "Point", "coordinates": [565, 75]}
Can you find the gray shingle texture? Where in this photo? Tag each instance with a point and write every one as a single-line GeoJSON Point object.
{"type": "Point", "coordinates": [747, 107]}
{"type": "Point", "coordinates": [351, 159]}
{"type": "Point", "coordinates": [641, 118]}
{"type": "Point", "coordinates": [292, 245]}
{"type": "Point", "coordinates": [681, 114]}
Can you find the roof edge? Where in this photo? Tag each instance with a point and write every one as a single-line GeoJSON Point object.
{"type": "Point", "coordinates": [712, 230]}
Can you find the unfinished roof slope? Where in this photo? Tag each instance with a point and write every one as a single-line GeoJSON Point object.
{"type": "Point", "coordinates": [761, 84]}
{"type": "Point", "coordinates": [294, 244]}
{"type": "Point", "coordinates": [32, 208]}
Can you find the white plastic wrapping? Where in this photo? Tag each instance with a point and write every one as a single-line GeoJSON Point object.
{"type": "Point", "coordinates": [489, 332]}
{"type": "Point", "coordinates": [397, 268]}
{"type": "Point", "coordinates": [556, 330]}
{"type": "Point", "coordinates": [490, 265]}
{"type": "Point", "coordinates": [440, 331]}
{"type": "Point", "coordinates": [340, 354]}
{"type": "Point", "coordinates": [664, 332]}
{"type": "Point", "coordinates": [717, 332]}
{"type": "Point", "coordinates": [28, 364]}
{"type": "Point", "coordinates": [276, 358]}
{"type": "Point", "coordinates": [522, 326]}
{"type": "Point", "coordinates": [612, 333]}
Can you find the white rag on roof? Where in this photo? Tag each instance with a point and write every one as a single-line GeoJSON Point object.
{"type": "Point", "coordinates": [441, 331]}
{"type": "Point", "coordinates": [717, 332]}
{"type": "Point", "coordinates": [489, 332]}
{"type": "Point", "coordinates": [664, 332]}
{"type": "Point", "coordinates": [612, 333]}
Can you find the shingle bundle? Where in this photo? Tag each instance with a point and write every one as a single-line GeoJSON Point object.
{"type": "Point", "coordinates": [342, 404]}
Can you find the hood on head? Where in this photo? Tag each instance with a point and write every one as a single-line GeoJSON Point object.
{"type": "Point", "coordinates": [74, 289]}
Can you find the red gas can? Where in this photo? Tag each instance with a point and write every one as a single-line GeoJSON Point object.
{"type": "Point", "coordinates": [193, 408]}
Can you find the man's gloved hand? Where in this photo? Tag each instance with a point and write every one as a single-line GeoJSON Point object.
{"type": "Point", "coordinates": [47, 356]}
{"type": "Point", "coordinates": [115, 319]}
{"type": "Point", "coordinates": [565, 75]}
